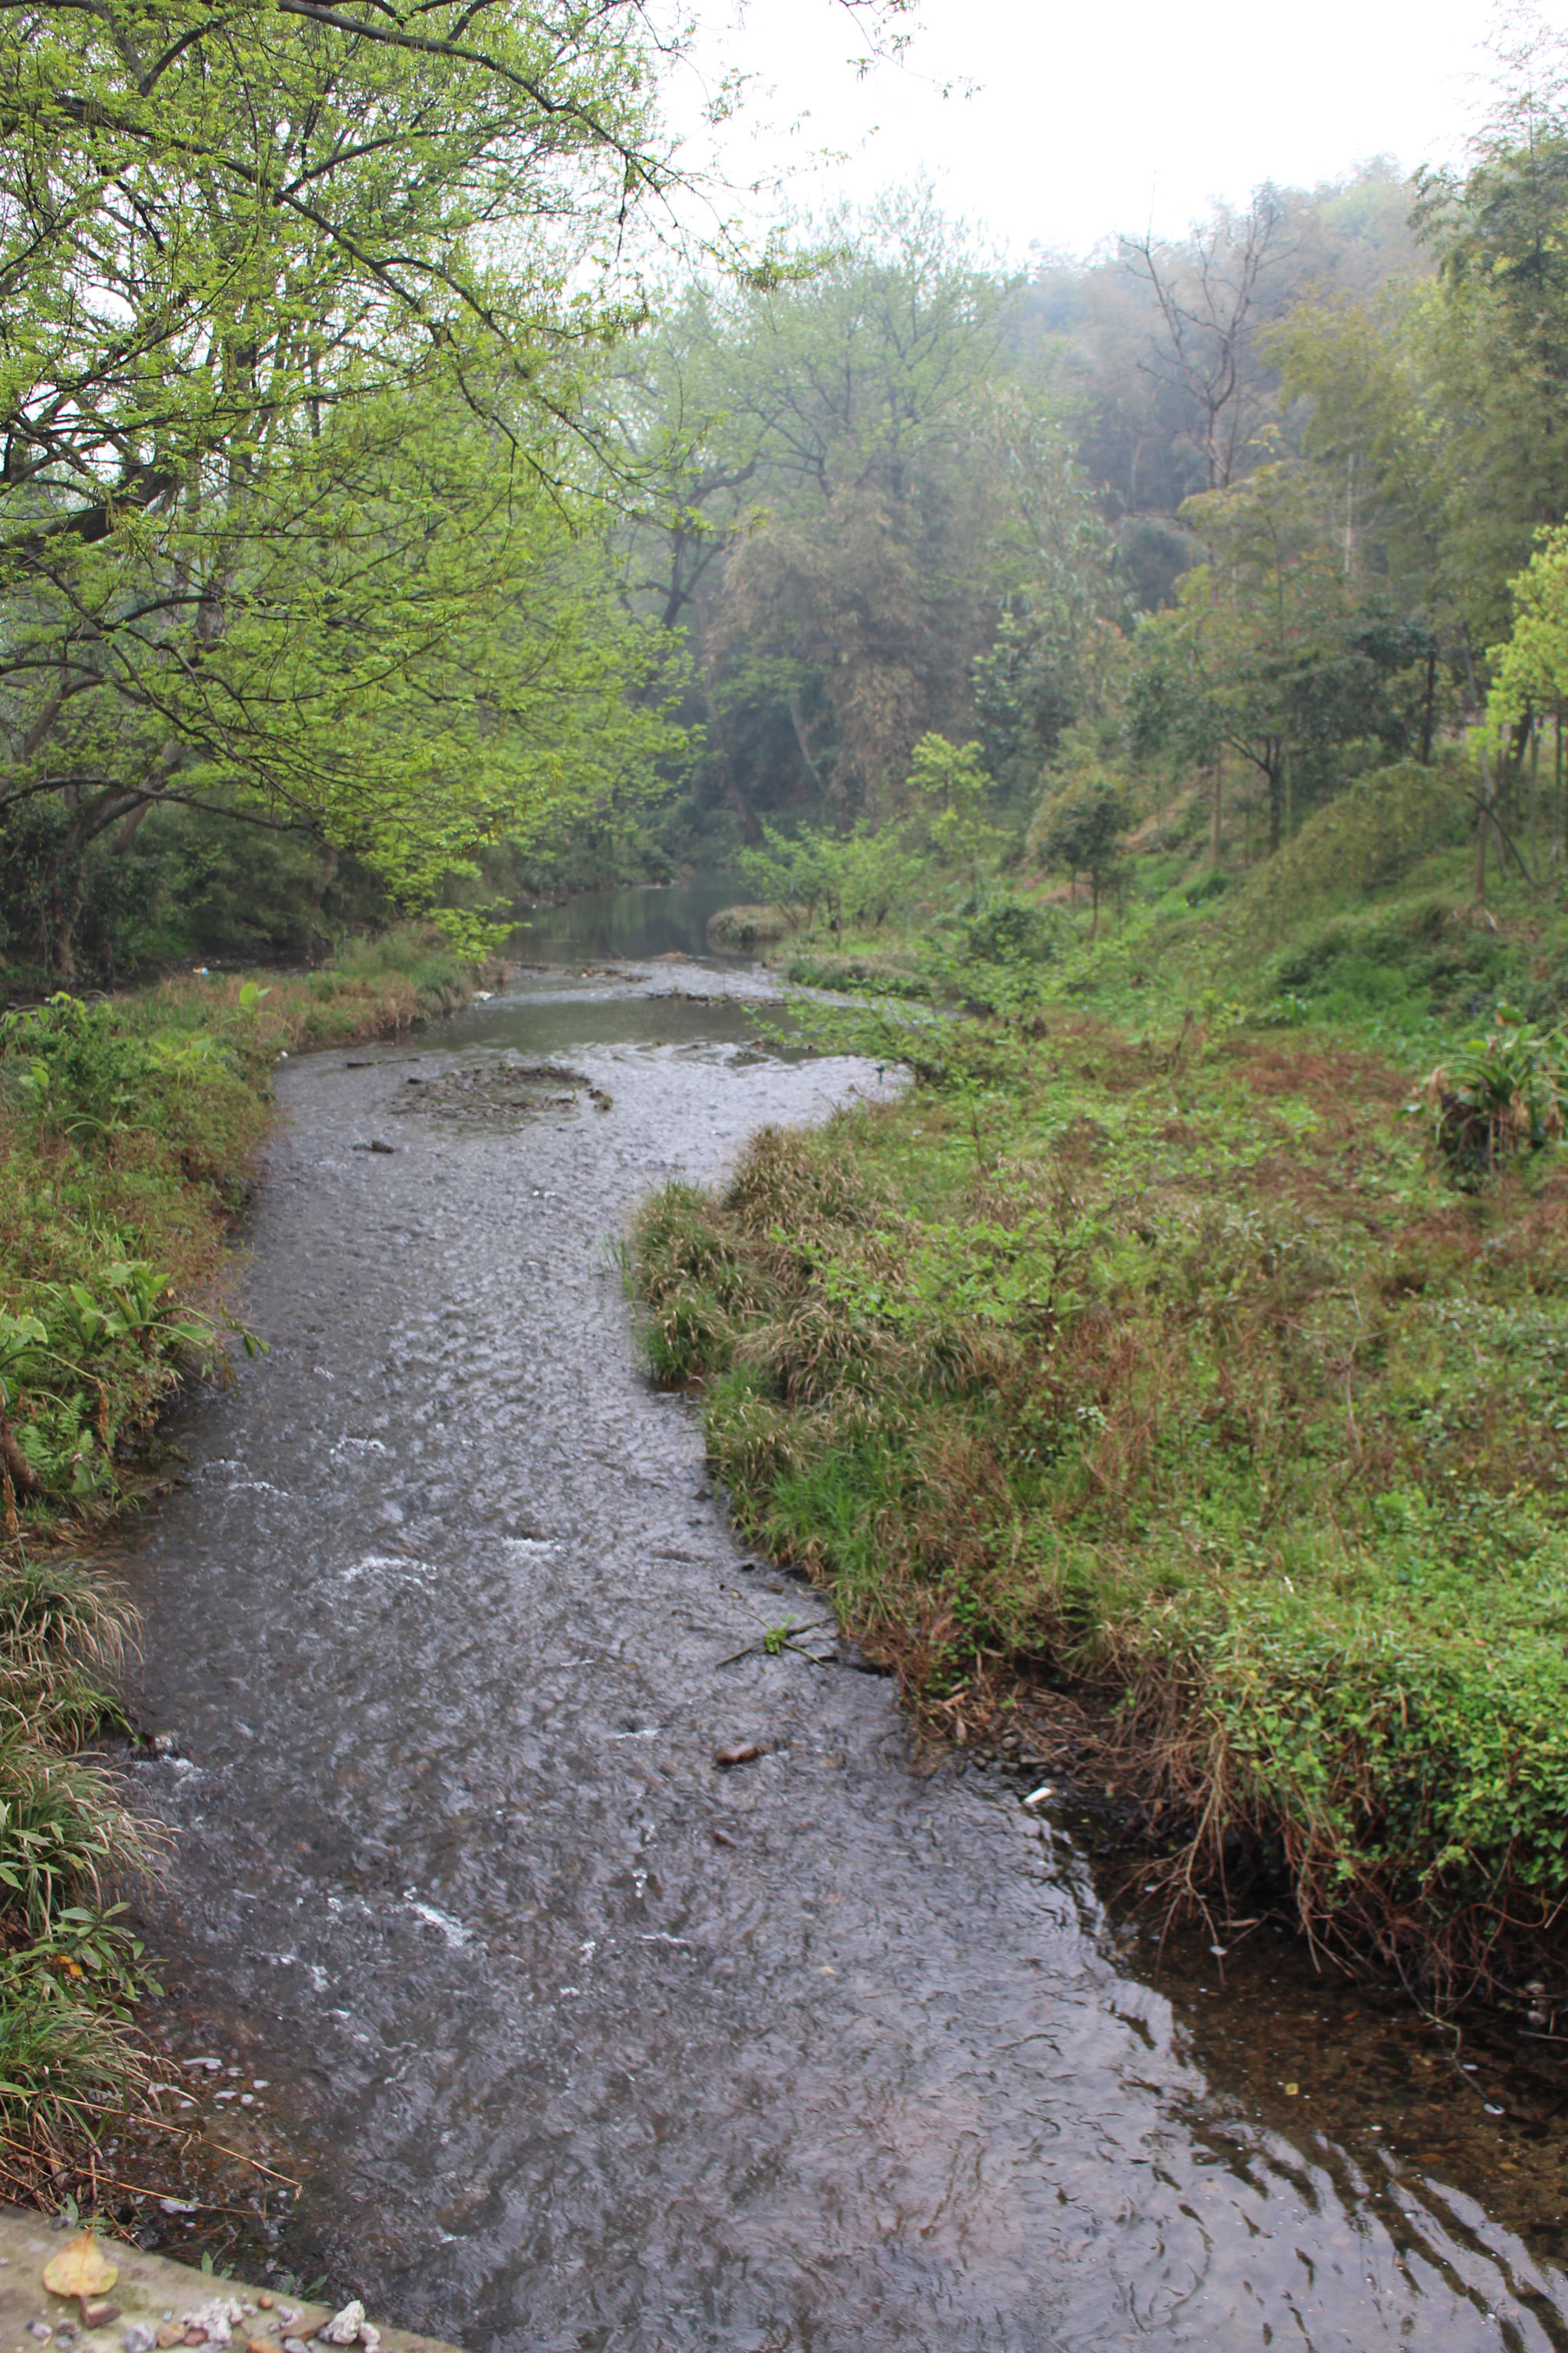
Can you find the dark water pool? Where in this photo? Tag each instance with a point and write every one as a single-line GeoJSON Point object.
{"type": "Point", "coordinates": [648, 920]}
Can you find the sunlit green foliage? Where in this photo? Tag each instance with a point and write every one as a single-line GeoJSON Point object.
{"type": "Point", "coordinates": [298, 517]}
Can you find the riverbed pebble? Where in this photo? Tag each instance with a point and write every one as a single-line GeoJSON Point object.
{"type": "Point", "coordinates": [738, 1752]}
{"type": "Point", "coordinates": [140, 2338]}
{"type": "Point", "coordinates": [214, 2323]}
{"type": "Point", "coordinates": [344, 2327]}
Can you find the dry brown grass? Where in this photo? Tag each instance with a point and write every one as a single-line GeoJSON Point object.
{"type": "Point", "coordinates": [1329, 1082]}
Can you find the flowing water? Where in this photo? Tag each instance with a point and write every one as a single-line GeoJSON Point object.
{"type": "Point", "coordinates": [595, 2044]}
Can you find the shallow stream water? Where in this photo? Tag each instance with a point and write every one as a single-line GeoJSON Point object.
{"type": "Point", "coordinates": [594, 2045]}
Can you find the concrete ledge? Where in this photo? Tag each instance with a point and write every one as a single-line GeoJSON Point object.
{"type": "Point", "coordinates": [148, 2288]}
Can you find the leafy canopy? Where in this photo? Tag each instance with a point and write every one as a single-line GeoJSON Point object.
{"type": "Point", "coordinates": [296, 512]}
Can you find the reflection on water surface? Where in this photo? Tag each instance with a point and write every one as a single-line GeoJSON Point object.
{"type": "Point", "coordinates": [648, 920]}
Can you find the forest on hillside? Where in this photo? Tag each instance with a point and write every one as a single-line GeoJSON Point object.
{"type": "Point", "coordinates": [401, 515]}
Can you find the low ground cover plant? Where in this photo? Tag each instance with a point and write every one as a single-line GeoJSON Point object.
{"type": "Point", "coordinates": [1498, 1094]}
{"type": "Point", "coordinates": [1178, 1368]}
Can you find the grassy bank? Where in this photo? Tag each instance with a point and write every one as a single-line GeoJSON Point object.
{"type": "Point", "coordinates": [1365, 923]}
{"type": "Point", "coordinates": [1152, 1354]}
{"type": "Point", "coordinates": [126, 1130]}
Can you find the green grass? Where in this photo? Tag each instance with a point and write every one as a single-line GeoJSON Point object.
{"type": "Point", "coordinates": [1365, 923]}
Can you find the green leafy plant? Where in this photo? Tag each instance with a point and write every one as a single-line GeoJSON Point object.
{"type": "Point", "coordinates": [1500, 1093]}
{"type": "Point", "coordinates": [75, 1065]}
{"type": "Point", "coordinates": [140, 1309]}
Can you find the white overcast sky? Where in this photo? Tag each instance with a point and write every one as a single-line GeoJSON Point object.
{"type": "Point", "coordinates": [1088, 118]}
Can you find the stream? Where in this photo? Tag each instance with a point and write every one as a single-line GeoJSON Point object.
{"type": "Point", "coordinates": [588, 2041]}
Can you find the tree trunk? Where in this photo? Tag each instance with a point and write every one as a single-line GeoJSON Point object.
{"type": "Point", "coordinates": [1215, 808]}
{"type": "Point", "coordinates": [57, 913]}
{"type": "Point", "coordinates": [1427, 708]}
{"type": "Point", "coordinates": [798, 722]}
{"type": "Point", "coordinates": [1483, 819]}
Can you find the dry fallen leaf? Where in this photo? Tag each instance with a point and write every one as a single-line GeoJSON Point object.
{"type": "Point", "coordinates": [79, 2269]}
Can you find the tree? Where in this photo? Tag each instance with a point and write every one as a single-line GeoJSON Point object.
{"type": "Point", "coordinates": [1274, 652]}
{"type": "Point", "coordinates": [294, 476]}
{"type": "Point", "coordinates": [1497, 337]}
{"type": "Point", "coordinates": [1079, 831]}
{"type": "Point", "coordinates": [1530, 677]}
{"type": "Point", "coordinates": [1377, 435]}
{"type": "Point", "coordinates": [865, 371]}
{"type": "Point", "coordinates": [855, 482]}
{"type": "Point", "coordinates": [1444, 403]}
{"type": "Point", "coordinates": [1206, 294]}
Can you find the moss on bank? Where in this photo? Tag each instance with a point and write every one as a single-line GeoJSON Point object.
{"type": "Point", "coordinates": [126, 1128]}
{"type": "Point", "coordinates": [1170, 1365]}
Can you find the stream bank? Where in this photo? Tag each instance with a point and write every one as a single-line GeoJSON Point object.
{"type": "Point", "coordinates": [587, 2040]}
{"type": "Point", "coordinates": [126, 1130]}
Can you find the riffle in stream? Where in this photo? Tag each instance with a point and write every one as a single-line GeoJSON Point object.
{"type": "Point", "coordinates": [591, 2043]}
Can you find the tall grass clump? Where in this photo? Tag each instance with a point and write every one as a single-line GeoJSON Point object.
{"type": "Point", "coordinates": [70, 1970]}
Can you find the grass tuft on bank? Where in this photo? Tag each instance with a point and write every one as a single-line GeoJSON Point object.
{"type": "Point", "coordinates": [1175, 1368]}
